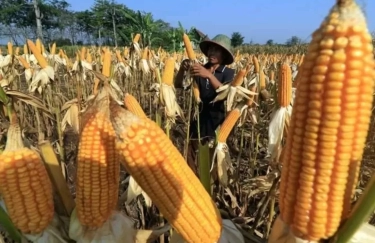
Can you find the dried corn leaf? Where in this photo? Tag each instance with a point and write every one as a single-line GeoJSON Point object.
{"type": "Point", "coordinates": [30, 100]}
{"type": "Point", "coordinates": [71, 117]}
{"type": "Point", "coordinates": [134, 190]}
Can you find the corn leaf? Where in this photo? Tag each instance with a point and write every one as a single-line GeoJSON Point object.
{"type": "Point", "coordinates": [9, 227]}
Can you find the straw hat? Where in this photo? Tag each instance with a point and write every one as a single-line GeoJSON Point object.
{"type": "Point", "coordinates": [222, 41]}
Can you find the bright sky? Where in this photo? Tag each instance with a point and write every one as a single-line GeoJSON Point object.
{"type": "Point", "coordinates": [257, 20]}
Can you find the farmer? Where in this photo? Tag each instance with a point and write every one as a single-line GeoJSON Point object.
{"type": "Point", "coordinates": [209, 77]}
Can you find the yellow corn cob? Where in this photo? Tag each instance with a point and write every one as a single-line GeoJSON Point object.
{"type": "Point", "coordinates": [250, 101]}
{"type": "Point", "coordinates": [238, 79]}
{"type": "Point", "coordinates": [285, 85]}
{"type": "Point", "coordinates": [118, 56]}
{"type": "Point", "coordinates": [97, 172]}
{"type": "Point", "coordinates": [262, 78]}
{"type": "Point", "coordinates": [133, 106]}
{"type": "Point", "coordinates": [25, 185]}
{"type": "Point", "coordinates": [149, 55]}
{"type": "Point", "coordinates": [37, 53]}
{"type": "Point", "coordinates": [161, 171]}
{"type": "Point", "coordinates": [188, 47]}
{"type": "Point", "coordinates": [145, 53]}
{"type": "Point", "coordinates": [168, 73]}
{"type": "Point", "coordinates": [96, 86]}
{"type": "Point", "coordinates": [272, 75]}
{"type": "Point", "coordinates": [25, 49]}
{"type": "Point", "coordinates": [38, 45]}
{"type": "Point", "coordinates": [24, 63]}
{"type": "Point", "coordinates": [17, 51]}
{"type": "Point", "coordinates": [294, 58]}
{"type": "Point", "coordinates": [53, 48]}
{"type": "Point", "coordinates": [228, 125]}
{"type": "Point", "coordinates": [106, 69]}
{"type": "Point", "coordinates": [329, 124]}
{"type": "Point", "coordinates": [136, 38]}
{"type": "Point", "coordinates": [10, 48]}
{"type": "Point", "coordinates": [238, 56]}
{"type": "Point", "coordinates": [196, 92]}
{"type": "Point", "coordinates": [26, 189]}
{"type": "Point", "coordinates": [83, 54]}
{"type": "Point", "coordinates": [88, 57]}
{"type": "Point", "coordinates": [256, 64]}
{"type": "Point", "coordinates": [126, 52]}
{"type": "Point", "coordinates": [301, 60]}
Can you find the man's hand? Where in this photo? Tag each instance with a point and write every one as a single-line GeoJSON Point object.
{"type": "Point", "coordinates": [199, 70]}
{"type": "Point", "coordinates": [185, 65]}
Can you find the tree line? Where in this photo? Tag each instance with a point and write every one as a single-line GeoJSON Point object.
{"type": "Point", "coordinates": [107, 22]}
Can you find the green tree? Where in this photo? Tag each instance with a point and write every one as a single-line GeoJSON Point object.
{"type": "Point", "coordinates": [237, 39]}
{"type": "Point", "coordinates": [293, 41]}
{"type": "Point", "coordinates": [270, 42]}
{"type": "Point", "coordinates": [21, 19]}
{"type": "Point", "coordinates": [144, 24]}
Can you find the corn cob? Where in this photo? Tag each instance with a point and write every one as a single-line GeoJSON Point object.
{"type": "Point", "coordinates": [25, 185]}
{"type": "Point", "coordinates": [25, 49]}
{"type": "Point", "coordinates": [168, 74]}
{"type": "Point", "coordinates": [24, 63]}
{"type": "Point", "coordinates": [196, 92]}
{"type": "Point", "coordinates": [88, 57]}
{"type": "Point", "coordinates": [285, 85]}
{"type": "Point", "coordinates": [133, 106]}
{"type": "Point", "coordinates": [136, 38]}
{"type": "Point", "coordinates": [161, 171]}
{"type": "Point", "coordinates": [106, 70]}
{"type": "Point", "coordinates": [97, 168]}
{"type": "Point", "coordinates": [238, 79]}
{"type": "Point", "coordinates": [145, 53]}
{"type": "Point", "coordinates": [301, 60]}
{"type": "Point", "coordinates": [83, 53]}
{"type": "Point", "coordinates": [329, 124]}
{"type": "Point", "coordinates": [188, 47]}
{"type": "Point", "coordinates": [118, 56]}
{"type": "Point", "coordinates": [38, 45]}
{"type": "Point", "coordinates": [53, 48]}
{"type": "Point", "coordinates": [37, 53]}
{"type": "Point", "coordinates": [272, 75]}
{"type": "Point", "coordinates": [256, 64]}
{"type": "Point", "coordinates": [126, 52]}
{"type": "Point", "coordinates": [250, 101]}
{"type": "Point", "coordinates": [262, 78]}
{"type": "Point", "coordinates": [10, 48]}
{"type": "Point", "coordinates": [228, 125]}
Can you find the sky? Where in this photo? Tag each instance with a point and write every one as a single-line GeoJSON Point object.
{"type": "Point", "coordinates": [256, 20]}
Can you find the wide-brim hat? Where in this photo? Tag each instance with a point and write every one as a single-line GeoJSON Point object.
{"type": "Point", "coordinates": [222, 41]}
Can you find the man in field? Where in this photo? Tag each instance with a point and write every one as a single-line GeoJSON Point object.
{"type": "Point", "coordinates": [209, 77]}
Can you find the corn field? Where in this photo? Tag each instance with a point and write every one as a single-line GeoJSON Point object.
{"type": "Point", "coordinates": [93, 146]}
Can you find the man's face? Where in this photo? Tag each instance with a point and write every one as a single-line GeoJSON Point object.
{"type": "Point", "coordinates": [215, 54]}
